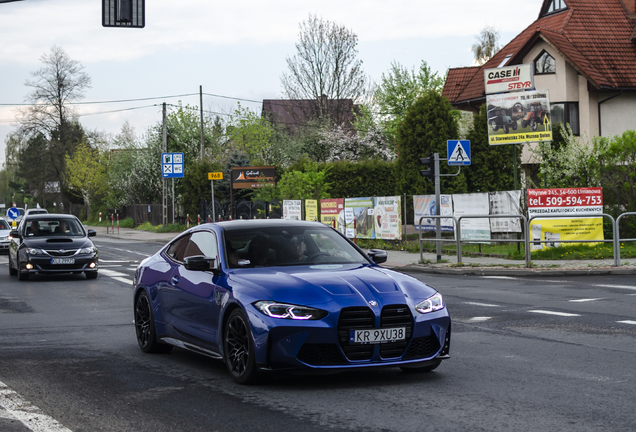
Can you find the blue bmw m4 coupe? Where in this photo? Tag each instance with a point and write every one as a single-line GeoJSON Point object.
{"type": "Point", "coordinates": [268, 295]}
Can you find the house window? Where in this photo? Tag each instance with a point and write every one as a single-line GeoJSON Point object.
{"type": "Point", "coordinates": [566, 113]}
{"type": "Point", "coordinates": [556, 6]}
{"type": "Point", "coordinates": [544, 64]}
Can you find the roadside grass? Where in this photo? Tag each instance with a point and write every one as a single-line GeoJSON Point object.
{"type": "Point", "coordinates": [175, 228]}
{"type": "Point", "coordinates": [124, 223]}
{"type": "Point", "coordinates": [573, 251]}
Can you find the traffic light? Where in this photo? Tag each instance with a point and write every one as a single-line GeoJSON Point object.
{"type": "Point", "coordinates": [430, 162]}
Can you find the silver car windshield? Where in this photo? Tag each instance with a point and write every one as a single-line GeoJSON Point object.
{"type": "Point", "coordinates": [287, 246]}
{"type": "Point", "coordinates": [53, 228]}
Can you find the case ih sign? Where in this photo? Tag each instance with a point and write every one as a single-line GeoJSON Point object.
{"type": "Point", "coordinates": [507, 79]}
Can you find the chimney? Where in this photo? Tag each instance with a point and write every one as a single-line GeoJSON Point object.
{"type": "Point", "coordinates": [630, 6]}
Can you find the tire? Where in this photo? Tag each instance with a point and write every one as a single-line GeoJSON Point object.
{"type": "Point", "coordinates": [22, 276]}
{"type": "Point", "coordinates": [514, 125]}
{"type": "Point", "coordinates": [494, 126]}
{"type": "Point", "coordinates": [523, 124]}
{"type": "Point", "coordinates": [145, 327]}
{"type": "Point", "coordinates": [239, 348]}
{"type": "Point", "coordinates": [12, 271]}
{"type": "Point", "coordinates": [533, 125]}
{"type": "Point", "coordinates": [422, 369]}
{"type": "Point", "coordinates": [91, 275]}
{"type": "Point", "coordinates": [506, 128]}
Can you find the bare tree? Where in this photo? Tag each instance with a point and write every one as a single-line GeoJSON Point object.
{"type": "Point", "coordinates": [487, 45]}
{"type": "Point", "coordinates": [325, 69]}
{"type": "Point", "coordinates": [60, 81]}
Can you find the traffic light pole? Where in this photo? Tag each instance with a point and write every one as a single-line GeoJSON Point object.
{"type": "Point", "coordinates": [438, 208]}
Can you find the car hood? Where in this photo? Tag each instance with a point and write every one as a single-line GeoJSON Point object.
{"type": "Point", "coordinates": [347, 285]}
{"type": "Point", "coordinates": [56, 242]}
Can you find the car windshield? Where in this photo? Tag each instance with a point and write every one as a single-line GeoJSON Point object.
{"type": "Point", "coordinates": [4, 225]}
{"type": "Point", "coordinates": [53, 227]}
{"type": "Point", "coordinates": [288, 245]}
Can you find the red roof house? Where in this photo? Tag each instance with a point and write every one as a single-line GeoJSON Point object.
{"type": "Point", "coordinates": [583, 52]}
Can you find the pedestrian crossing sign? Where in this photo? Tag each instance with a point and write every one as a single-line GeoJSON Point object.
{"type": "Point", "coordinates": [458, 152]}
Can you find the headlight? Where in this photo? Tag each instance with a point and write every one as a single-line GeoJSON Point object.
{"type": "Point", "coordinates": [88, 250]}
{"type": "Point", "coordinates": [34, 251]}
{"type": "Point", "coordinates": [431, 304]}
{"type": "Point", "coordinates": [287, 311]}
{"type": "Point", "coordinates": [5, 238]}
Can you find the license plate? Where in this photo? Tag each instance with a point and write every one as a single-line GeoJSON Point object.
{"type": "Point", "coordinates": [376, 336]}
{"type": "Point", "coordinates": [62, 260]}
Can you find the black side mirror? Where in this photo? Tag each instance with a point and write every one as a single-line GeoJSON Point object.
{"type": "Point", "coordinates": [15, 234]}
{"type": "Point", "coordinates": [378, 256]}
{"type": "Point", "coordinates": [92, 233]}
{"type": "Point", "coordinates": [202, 263]}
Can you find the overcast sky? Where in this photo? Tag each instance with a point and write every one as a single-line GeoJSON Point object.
{"type": "Point", "coordinates": [235, 49]}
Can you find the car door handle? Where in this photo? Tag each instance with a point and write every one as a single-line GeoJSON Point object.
{"type": "Point", "coordinates": [175, 280]}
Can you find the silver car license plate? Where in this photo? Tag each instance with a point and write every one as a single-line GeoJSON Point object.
{"type": "Point", "coordinates": [376, 336]}
{"type": "Point", "coordinates": [62, 260]}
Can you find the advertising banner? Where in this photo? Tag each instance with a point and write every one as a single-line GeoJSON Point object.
{"type": "Point", "coordinates": [580, 203]}
{"type": "Point", "coordinates": [292, 209]}
{"type": "Point", "coordinates": [387, 217]}
{"type": "Point", "coordinates": [510, 78]}
{"type": "Point", "coordinates": [311, 210]}
{"type": "Point", "coordinates": [519, 117]}
{"type": "Point", "coordinates": [361, 210]}
{"type": "Point", "coordinates": [507, 202]}
{"type": "Point", "coordinates": [333, 210]}
{"type": "Point", "coordinates": [253, 177]}
{"type": "Point", "coordinates": [424, 205]}
{"type": "Point", "coordinates": [473, 204]}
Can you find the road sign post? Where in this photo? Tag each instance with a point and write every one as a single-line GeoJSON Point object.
{"type": "Point", "coordinates": [214, 176]}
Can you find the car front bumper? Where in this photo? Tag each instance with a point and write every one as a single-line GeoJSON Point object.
{"type": "Point", "coordinates": [44, 264]}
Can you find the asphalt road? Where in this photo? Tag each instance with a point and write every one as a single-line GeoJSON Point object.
{"type": "Point", "coordinates": [536, 354]}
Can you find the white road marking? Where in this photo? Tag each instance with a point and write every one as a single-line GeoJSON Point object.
{"type": "Point", "coordinates": [481, 304]}
{"type": "Point", "coordinates": [123, 280]}
{"type": "Point", "coordinates": [629, 287]}
{"type": "Point", "coordinates": [585, 300]}
{"type": "Point", "coordinates": [627, 322]}
{"type": "Point", "coordinates": [564, 314]}
{"type": "Point", "coordinates": [499, 277]}
{"type": "Point", "coordinates": [111, 273]}
{"type": "Point", "coordinates": [112, 261]}
{"type": "Point", "coordinates": [29, 415]}
{"type": "Point", "coordinates": [126, 250]}
{"type": "Point", "coordinates": [479, 319]}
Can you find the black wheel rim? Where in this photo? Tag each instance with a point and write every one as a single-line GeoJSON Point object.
{"type": "Point", "coordinates": [238, 347]}
{"type": "Point", "coordinates": [142, 320]}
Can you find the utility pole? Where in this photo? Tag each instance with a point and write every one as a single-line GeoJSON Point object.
{"type": "Point", "coordinates": [438, 210]}
{"type": "Point", "coordinates": [164, 180]}
{"type": "Point", "coordinates": [201, 108]}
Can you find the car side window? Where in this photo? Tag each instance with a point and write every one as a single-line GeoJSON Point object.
{"type": "Point", "coordinates": [202, 243]}
{"type": "Point", "coordinates": [176, 251]}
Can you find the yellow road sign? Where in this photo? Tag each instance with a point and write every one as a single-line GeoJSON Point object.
{"type": "Point", "coordinates": [215, 176]}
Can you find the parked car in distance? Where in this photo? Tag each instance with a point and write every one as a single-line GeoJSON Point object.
{"type": "Point", "coordinates": [5, 230]}
{"type": "Point", "coordinates": [268, 295]}
{"type": "Point", "coordinates": [52, 243]}
{"type": "Point", "coordinates": [35, 211]}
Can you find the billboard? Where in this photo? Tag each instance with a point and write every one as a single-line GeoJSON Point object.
{"type": "Point", "coordinates": [361, 210]}
{"type": "Point", "coordinates": [387, 217]}
{"type": "Point", "coordinates": [311, 210]}
{"type": "Point", "coordinates": [581, 203]}
{"type": "Point", "coordinates": [292, 209]}
{"type": "Point", "coordinates": [331, 210]}
{"type": "Point", "coordinates": [253, 177]}
{"type": "Point", "coordinates": [507, 79]}
{"type": "Point", "coordinates": [519, 117]}
{"type": "Point", "coordinates": [425, 205]}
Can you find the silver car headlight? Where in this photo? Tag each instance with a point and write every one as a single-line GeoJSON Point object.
{"type": "Point", "coordinates": [288, 311]}
{"type": "Point", "coordinates": [87, 250]}
{"type": "Point", "coordinates": [431, 304]}
{"type": "Point", "coordinates": [34, 251]}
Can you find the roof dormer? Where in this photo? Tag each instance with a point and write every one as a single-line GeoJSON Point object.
{"type": "Point", "coordinates": [553, 6]}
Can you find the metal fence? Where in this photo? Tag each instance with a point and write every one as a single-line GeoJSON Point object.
{"type": "Point", "coordinates": [526, 233]}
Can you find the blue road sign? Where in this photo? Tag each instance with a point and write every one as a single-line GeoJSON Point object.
{"type": "Point", "coordinates": [458, 152]}
{"type": "Point", "coordinates": [172, 165]}
{"type": "Point", "coordinates": [13, 213]}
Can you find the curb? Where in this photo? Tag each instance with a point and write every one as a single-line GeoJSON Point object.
{"type": "Point", "coordinates": [493, 271]}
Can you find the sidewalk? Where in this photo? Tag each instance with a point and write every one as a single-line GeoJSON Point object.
{"type": "Point", "coordinates": [407, 261]}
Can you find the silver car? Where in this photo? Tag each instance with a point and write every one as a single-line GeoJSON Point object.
{"type": "Point", "coordinates": [5, 229]}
